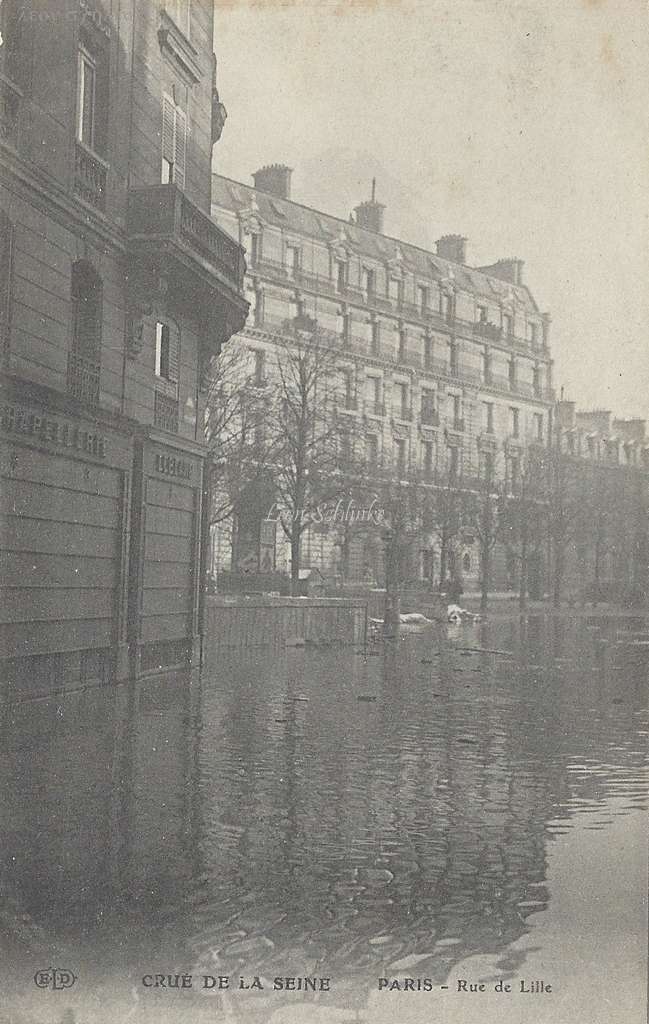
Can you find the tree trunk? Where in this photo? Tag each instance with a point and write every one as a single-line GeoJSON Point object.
{"type": "Point", "coordinates": [485, 582]}
{"type": "Point", "coordinates": [522, 586]}
{"type": "Point", "coordinates": [295, 562]}
{"type": "Point", "coordinates": [391, 615]}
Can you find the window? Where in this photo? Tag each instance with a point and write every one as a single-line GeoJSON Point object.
{"type": "Point", "coordinates": [428, 459]}
{"type": "Point", "coordinates": [400, 454]}
{"type": "Point", "coordinates": [174, 143]}
{"type": "Point", "coordinates": [486, 366]}
{"type": "Point", "coordinates": [255, 248]}
{"type": "Point", "coordinates": [86, 112]}
{"type": "Point", "coordinates": [293, 259]}
{"type": "Point", "coordinates": [341, 275]}
{"type": "Point", "coordinates": [488, 417]}
{"type": "Point", "coordinates": [453, 357]}
{"type": "Point", "coordinates": [372, 450]}
{"type": "Point", "coordinates": [511, 372]}
{"type": "Point", "coordinates": [487, 465]}
{"type": "Point", "coordinates": [514, 417]}
{"type": "Point", "coordinates": [457, 412]}
{"type": "Point", "coordinates": [401, 352]}
{"type": "Point", "coordinates": [446, 305]}
{"type": "Point", "coordinates": [453, 462]}
{"type": "Point", "coordinates": [85, 355]}
{"type": "Point", "coordinates": [401, 399]}
{"type": "Point", "coordinates": [166, 352]}
{"type": "Point", "coordinates": [424, 298]}
{"type": "Point", "coordinates": [508, 328]}
{"type": "Point", "coordinates": [536, 380]}
{"type": "Point", "coordinates": [350, 391]}
{"type": "Point", "coordinates": [344, 325]}
{"type": "Point", "coordinates": [376, 337]}
{"type": "Point", "coordinates": [428, 413]}
{"type": "Point", "coordinates": [374, 395]}
{"type": "Point", "coordinates": [538, 426]}
{"type": "Point", "coordinates": [533, 333]}
{"type": "Point", "coordinates": [428, 352]}
{"type": "Point", "coordinates": [513, 472]}
{"type": "Point", "coordinates": [369, 282]}
{"type": "Point", "coordinates": [258, 306]}
{"type": "Point", "coordinates": [481, 314]}
{"type": "Point", "coordinates": [395, 289]}
{"type": "Point", "coordinates": [92, 92]}
{"type": "Point", "coordinates": [259, 371]}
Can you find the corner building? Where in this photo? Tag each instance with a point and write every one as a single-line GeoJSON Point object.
{"type": "Point", "coordinates": [448, 366]}
{"type": "Point", "coordinates": [116, 289]}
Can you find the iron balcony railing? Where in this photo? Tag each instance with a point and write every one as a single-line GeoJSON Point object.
{"type": "Point", "coordinates": [165, 412]}
{"type": "Point", "coordinates": [83, 379]}
{"type": "Point", "coordinates": [90, 176]}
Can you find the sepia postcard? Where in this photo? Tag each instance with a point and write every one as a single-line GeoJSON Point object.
{"type": "Point", "coordinates": [324, 525]}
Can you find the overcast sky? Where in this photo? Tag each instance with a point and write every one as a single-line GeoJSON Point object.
{"type": "Point", "coordinates": [521, 124]}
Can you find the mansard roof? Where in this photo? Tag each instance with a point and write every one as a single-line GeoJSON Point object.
{"type": "Point", "coordinates": [306, 222]}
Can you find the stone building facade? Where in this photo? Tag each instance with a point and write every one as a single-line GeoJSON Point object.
{"type": "Point", "coordinates": [447, 367]}
{"type": "Point", "coordinates": [116, 289]}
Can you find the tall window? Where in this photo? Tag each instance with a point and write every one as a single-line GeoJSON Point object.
{"type": "Point", "coordinates": [376, 337]}
{"type": "Point", "coordinates": [428, 406]}
{"type": "Point", "coordinates": [401, 399]}
{"type": "Point", "coordinates": [400, 455]}
{"type": "Point", "coordinates": [86, 112]}
{"type": "Point", "coordinates": [401, 351]}
{"type": "Point", "coordinates": [259, 363]}
{"type": "Point", "coordinates": [538, 425]}
{"type": "Point", "coordinates": [511, 372]}
{"type": "Point", "coordinates": [424, 298]}
{"type": "Point", "coordinates": [428, 352]}
{"type": "Point", "coordinates": [166, 352]}
{"type": "Point", "coordinates": [255, 248]}
{"type": "Point", "coordinates": [514, 422]}
{"type": "Point", "coordinates": [446, 305]}
{"type": "Point", "coordinates": [488, 417]}
{"type": "Point", "coordinates": [174, 143]}
{"type": "Point", "coordinates": [372, 450]}
{"type": "Point", "coordinates": [486, 366]}
{"type": "Point", "coordinates": [457, 411]}
{"type": "Point", "coordinates": [453, 462]}
{"type": "Point", "coordinates": [453, 353]}
{"type": "Point", "coordinates": [481, 314]}
{"type": "Point", "coordinates": [374, 395]}
{"type": "Point", "coordinates": [508, 326]}
{"type": "Point", "coordinates": [341, 275]}
{"type": "Point", "coordinates": [369, 282]}
{"type": "Point", "coordinates": [92, 91]}
{"type": "Point", "coordinates": [428, 459]}
{"type": "Point", "coordinates": [85, 354]}
{"type": "Point", "coordinates": [293, 259]}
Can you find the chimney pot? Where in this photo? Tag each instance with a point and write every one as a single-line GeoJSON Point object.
{"type": "Point", "coordinates": [274, 178]}
{"type": "Point", "coordinates": [452, 247]}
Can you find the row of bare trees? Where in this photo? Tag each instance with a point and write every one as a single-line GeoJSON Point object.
{"type": "Point", "coordinates": [282, 436]}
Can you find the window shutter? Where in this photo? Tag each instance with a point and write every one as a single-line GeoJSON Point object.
{"type": "Point", "coordinates": [168, 121]}
{"type": "Point", "coordinates": [174, 352]}
{"type": "Point", "coordinates": [180, 147]}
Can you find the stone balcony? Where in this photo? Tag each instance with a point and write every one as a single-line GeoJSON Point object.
{"type": "Point", "coordinates": [171, 239]}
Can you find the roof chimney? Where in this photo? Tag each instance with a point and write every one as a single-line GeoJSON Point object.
{"type": "Point", "coordinates": [274, 178]}
{"type": "Point", "coordinates": [369, 215]}
{"type": "Point", "coordinates": [507, 270]}
{"type": "Point", "coordinates": [452, 247]}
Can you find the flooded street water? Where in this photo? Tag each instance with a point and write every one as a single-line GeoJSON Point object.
{"type": "Point", "coordinates": [418, 812]}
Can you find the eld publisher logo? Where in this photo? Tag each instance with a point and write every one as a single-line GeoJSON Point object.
{"type": "Point", "coordinates": [55, 979]}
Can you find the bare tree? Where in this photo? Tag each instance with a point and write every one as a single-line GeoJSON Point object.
{"type": "Point", "coordinates": [482, 515]}
{"type": "Point", "coordinates": [524, 515]}
{"type": "Point", "coordinates": [239, 439]}
{"type": "Point", "coordinates": [308, 443]}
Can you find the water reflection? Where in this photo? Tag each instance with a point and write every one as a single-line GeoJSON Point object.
{"type": "Point", "coordinates": [338, 813]}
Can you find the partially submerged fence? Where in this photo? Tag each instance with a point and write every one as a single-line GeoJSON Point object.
{"type": "Point", "coordinates": [251, 621]}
